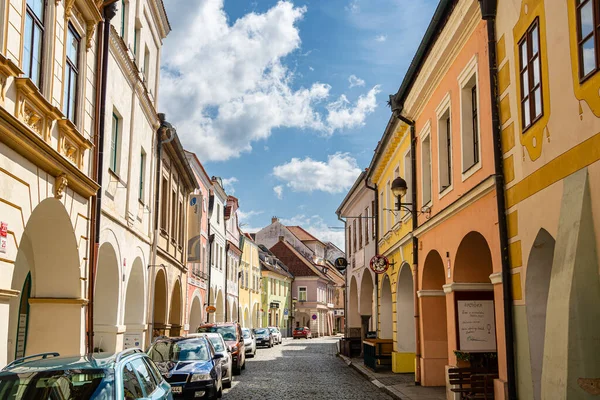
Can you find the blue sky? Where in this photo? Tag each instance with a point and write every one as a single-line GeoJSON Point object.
{"type": "Point", "coordinates": [286, 100]}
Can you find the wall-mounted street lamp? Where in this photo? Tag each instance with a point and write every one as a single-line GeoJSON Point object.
{"type": "Point", "coordinates": [399, 188]}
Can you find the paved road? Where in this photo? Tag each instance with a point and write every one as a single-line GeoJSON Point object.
{"type": "Point", "coordinates": [301, 370]}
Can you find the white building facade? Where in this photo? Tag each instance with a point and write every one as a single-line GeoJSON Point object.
{"type": "Point", "coordinates": [217, 237]}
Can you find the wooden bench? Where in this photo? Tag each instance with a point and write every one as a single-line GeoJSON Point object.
{"type": "Point", "coordinates": [472, 383]}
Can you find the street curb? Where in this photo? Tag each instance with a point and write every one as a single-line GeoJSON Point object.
{"type": "Point", "coordinates": [375, 382]}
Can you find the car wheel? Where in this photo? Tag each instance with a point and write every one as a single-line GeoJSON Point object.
{"type": "Point", "coordinates": [220, 393]}
{"type": "Point", "coordinates": [229, 380]}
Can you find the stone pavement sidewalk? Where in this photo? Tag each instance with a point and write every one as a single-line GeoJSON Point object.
{"type": "Point", "coordinates": [399, 386]}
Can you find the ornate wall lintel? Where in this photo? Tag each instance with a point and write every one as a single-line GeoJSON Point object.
{"type": "Point", "coordinates": [60, 184]}
{"type": "Point", "coordinates": [33, 109]}
{"type": "Point", "coordinates": [7, 69]}
{"type": "Point", "coordinates": [71, 143]}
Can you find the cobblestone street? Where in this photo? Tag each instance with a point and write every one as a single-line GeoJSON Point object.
{"type": "Point", "coordinates": [301, 369]}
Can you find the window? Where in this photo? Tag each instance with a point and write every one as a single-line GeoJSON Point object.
{"type": "Point", "coordinates": [445, 150]}
{"type": "Point", "coordinates": [136, 39]}
{"type": "Point", "coordinates": [389, 206]}
{"type": "Point", "coordinates": [146, 70]}
{"type": "Point", "coordinates": [181, 223]}
{"type": "Point", "coordinates": [164, 203]}
{"type": "Point", "coordinates": [374, 220]}
{"type": "Point", "coordinates": [396, 175]}
{"type": "Point", "coordinates": [475, 124]}
{"type": "Point", "coordinates": [350, 239]}
{"type": "Point", "coordinates": [218, 213]}
{"type": "Point", "coordinates": [354, 235]}
{"type": "Point", "coordinates": [123, 17]}
{"type": "Point", "coordinates": [132, 389]}
{"type": "Point", "coordinates": [145, 376]}
{"type": "Point", "coordinates": [360, 232]}
{"type": "Point", "coordinates": [33, 40]}
{"type": "Point", "coordinates": [302, 293]}
{"type": "Point", "coordinates": [142, 175]}
{"type": "Point", "coordinates": [469, 116]}
{"type": "Point", "coordinates": [530, 72]}
{"type": "Point", "coordinates": [426, 168]}
{"type": "Point", "coordinates": [114, 143]}
{"type": "Point", "coordinates": [382, 213]}
{"type": "Point", "coordinates": [367, 226]}
{"type": "Point", "coordinates": [588, 44]}
{"type": "Point", "coordinates": [71, 74]}
{"type": "Point", "coordinates": [173, 215]}
{"type": "Point", "coordinates": [408, 174]}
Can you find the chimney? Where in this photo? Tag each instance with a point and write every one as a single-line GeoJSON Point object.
{"type": "Point", "coordinates": [274, 219]}
{"type": "Point", "coordinates": [281, 238]}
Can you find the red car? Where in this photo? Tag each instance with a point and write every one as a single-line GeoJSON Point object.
{"type": "Point", "coordinates": [302, 333]}
{"type": "Point", "coordinates": [232, 334]}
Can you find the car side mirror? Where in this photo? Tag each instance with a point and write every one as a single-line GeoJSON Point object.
{"type": "Point", "coordinates": [217, 356]}
{"type": "Point", "coordinates": [229, 350]}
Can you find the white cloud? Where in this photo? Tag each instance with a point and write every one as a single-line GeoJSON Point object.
{"type": "Point", "coordinates": [381, 38]}
{"type": "Point", "coordinates": [266, 148]}
{"type": "Point", "coordinates": [245, 216]}
{"type": "Point", "coordinates": [278, 191]}
{"type": "Point", "coordinates": [341, 115]}
{"type": "Point", "coordinates": [226, 86]}
{"type": "Point", "coordinates": [311, 68]}
{"type": "Point", "coordinates": [228, 185]}
{"type": "Point", "coordinates": [307, 175]}
{"type": "Point", "coordinates": [355, 81]}
{"type": "Point", "coordinates": [317, 227]}
{"type": "Point", "coordinates": [353, 6]}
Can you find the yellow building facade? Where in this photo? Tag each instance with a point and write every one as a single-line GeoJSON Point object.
{"type": "Point", "coordinates": [548, 86]}
{"type": "Point", "coordinates": [395, 295]}
{"type": "Point", "coordinates": [249, 291]}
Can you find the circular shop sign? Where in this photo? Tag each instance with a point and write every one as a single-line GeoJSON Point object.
{"type": "Point", "coordinates": [211, 309]}
{"type": "Point", "coordinates": [341, 263]}
{"type": "Point", "coordinates": [379, 264]}
{"type": "Point", "coordinates": [314, 316]}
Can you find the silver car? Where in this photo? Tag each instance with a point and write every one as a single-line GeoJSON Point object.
{"type": "Point", "coordinates": [276, 334]}
{"type": "Point", "coordinates": [226, 363]}
{"type": "Point", "coordinates": [249, 342]}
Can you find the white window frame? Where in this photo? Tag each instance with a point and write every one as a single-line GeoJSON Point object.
{"type": "Point", "coordinates": [445, 107]}
{"type": "Point", "coordinates": [426, 133]}
{"type": "Point", "coordinates": [305, 292]}
{"type": "Point", "coordinates": [409, 182]}
{"type": "Point", "coordinates": [466, 75]}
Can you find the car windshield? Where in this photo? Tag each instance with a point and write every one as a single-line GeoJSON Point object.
{"type": "Point", "coordinates": [228, 332]}
{"type": "Point", "coordinates": [273, 330]}
{"type": "Point", "coordinates": [55, 385]}
{"type": "Point", "coordinates": [185, 350]}
{"type": "Point", "coordinates": [246, 334]}
{"type": "Point", "coordinates": [299, 329]}
{"type": "Point", "coordinates": [261, 331]}
{"type": "Point", "coordinates": [217, 343]}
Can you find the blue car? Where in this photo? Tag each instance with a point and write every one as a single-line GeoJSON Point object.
{"type": "Point", "coordinates": [127, 375]}
{"type": "Point", "coordinates": [191, 365]}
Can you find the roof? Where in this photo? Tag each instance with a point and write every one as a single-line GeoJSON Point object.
{"type": "Point", "coordinates": [227, 212]}
{"type": "Point", "coordinates": [302, 234]}
{"type": "Point", "coordinates": [308, 269]}
{"type": "Point", "coordinates": [195, 158]}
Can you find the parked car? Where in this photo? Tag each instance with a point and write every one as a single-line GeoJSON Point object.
{"type": "Point", "coordinates": [264, 337]}
{"type": "Point", "coordinates": [190, 365]}
{"type": "Point", "coordinates": [226, 362]}
{"type": "Point", "coordinates": [232, 334]}
{"type": "Point", "coordinates": [276, 334]}
{"type": "Point", "coordinates": [127, 375]}
{"type": "Point", "coordinates": [249, 342]}
{"type": "Point", "coordinates": [303, 332]}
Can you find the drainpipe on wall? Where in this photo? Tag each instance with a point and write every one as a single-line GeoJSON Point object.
{"type": "Point", "coordinates": [110, 10]}
{"type": "Point", "coordinates": [165, 128]}
{"type": "Point", "coordinates": [415, 244]}
{"type": "Point", "coordinates": [345, 277]}
{"type": "Point", "coordinates": [226, 272]}
{"type": "Point", "coordinates": [488, 13]}
{"type": "Point", "coordinates": [211, 239]}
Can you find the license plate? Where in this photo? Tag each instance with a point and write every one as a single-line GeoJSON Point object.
{"type": "Point", "coordinates": [177, 389]}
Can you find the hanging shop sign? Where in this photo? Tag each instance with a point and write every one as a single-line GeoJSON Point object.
{"type": "Point", "coordinates": [341, 263]}
{"type": "Point", "coordinates": [379, 264]}
{"type": "Point", "coordinates": [211, 309]}
{"type": "Point", "coordinates": [274, 305]}
{"type": "Point", "coordinates": [476, 325]}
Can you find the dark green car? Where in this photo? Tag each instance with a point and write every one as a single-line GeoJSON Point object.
{"type": "Point", "coordinates": [129, 374]}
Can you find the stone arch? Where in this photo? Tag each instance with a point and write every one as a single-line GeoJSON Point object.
{"type": "Point", "coordinates": [367, 294]}
{"type": "Point", "coordinates": [246, 318]}
{"type": "Point", "coordinates": [255, 316]}
{"type": "Point", "coordinates": [107, 299]}
{"type": "Point", "coordinates": [537, 286]}
{"type": "Point", "coordinates": [353, 312]}
{"type": "Point", "coordinates": [134, 317]}
{"type": "Point", "coordinates": [220, 304]}
{"type": "Point", "coordinates": [48, 254]}
{"type": "Point", "coordinates": [473, 262]}
{"type": "Point", "coordinates": [175, 309]}
{"type": "Point", "coordinates": [385, 310]}
{"type": "Point", "coordinates": [405, 309]}
{"type": "Point", "coordinates": [160, 303]}
{"type": "Point", "coordinates": [434, 330]}
{"type": "Point", "coordinates": [195, 312]}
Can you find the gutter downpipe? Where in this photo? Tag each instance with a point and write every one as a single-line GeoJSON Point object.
{"type": "Point", "coordinates": [345, 277]}
{"type": "Point", "coordinates": [488, 13]}
{"type": "Point", "coordinates": [166, 128]}
{"type": "Point", "coordinates": [210, 243]}
{"type": "Point", "coordinates": [226, 272]}
{"type": "Point", "coordinates": [415, 244]}
{"type": "Point", "coordinates": [110, 10]}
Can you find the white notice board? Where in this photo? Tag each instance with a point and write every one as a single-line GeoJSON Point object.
{"type": "Point", "coordinates": [131, 340]}
{"type": "Point", "coordinates": [476, 325]}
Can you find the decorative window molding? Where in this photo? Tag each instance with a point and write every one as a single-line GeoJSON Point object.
{"type": "Point", "coordinates": [33, 109]}
{"type": "Point", "coordinates": [71, 143]}
{"type": "Point", "coordinates": [7, 69]}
